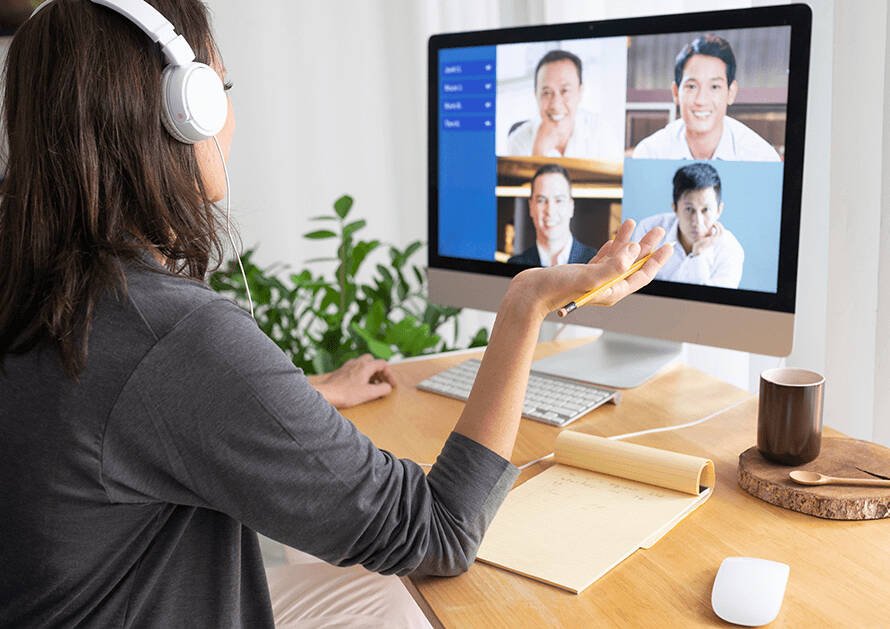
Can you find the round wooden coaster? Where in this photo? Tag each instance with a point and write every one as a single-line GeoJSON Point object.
{"type": "Point", "coordinates": [839, 457]}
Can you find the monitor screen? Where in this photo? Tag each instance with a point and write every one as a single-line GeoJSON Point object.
{"type": "Point", "coordinates": [544, 139]}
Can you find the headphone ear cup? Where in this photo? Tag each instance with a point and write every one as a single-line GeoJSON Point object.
{"type": "Point", "coordinates": [194, 106]}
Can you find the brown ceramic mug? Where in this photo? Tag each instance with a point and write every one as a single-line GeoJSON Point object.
{"type": "Point", "coordinates": [789, 419]}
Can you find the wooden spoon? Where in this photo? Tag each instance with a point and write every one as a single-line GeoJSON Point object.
{"type": "Point", "coordinates": [815, 478]}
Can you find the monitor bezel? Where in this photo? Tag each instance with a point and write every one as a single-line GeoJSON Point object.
{"type": "Point", "coordinates": [796, 16]}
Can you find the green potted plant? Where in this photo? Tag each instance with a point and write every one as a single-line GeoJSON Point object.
{"type": "Point", "coordinates": [320, 321]}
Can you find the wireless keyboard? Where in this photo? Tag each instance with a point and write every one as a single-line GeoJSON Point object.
{"type": "Point", "coordinates": [549, 399]}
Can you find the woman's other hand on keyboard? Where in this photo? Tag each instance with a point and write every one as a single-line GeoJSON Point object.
{"type": "Point", "coordinates": [359, 380]}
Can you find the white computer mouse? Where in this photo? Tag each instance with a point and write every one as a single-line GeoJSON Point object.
{"type": "Point", "coordinates": [749, 591]}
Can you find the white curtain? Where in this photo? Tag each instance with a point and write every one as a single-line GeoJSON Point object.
{"type": "Point", "coordinates": [856, 262]}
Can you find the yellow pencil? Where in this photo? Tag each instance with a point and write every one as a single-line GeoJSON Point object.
{"type": "Point", "coordinates": [583, 299]}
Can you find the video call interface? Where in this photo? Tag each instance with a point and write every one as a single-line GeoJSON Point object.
{"type": "Point", "coordinates": [546, 147]}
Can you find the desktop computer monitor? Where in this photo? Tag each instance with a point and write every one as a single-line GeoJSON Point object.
{"type": "Point", "coordinates": [543, 139]}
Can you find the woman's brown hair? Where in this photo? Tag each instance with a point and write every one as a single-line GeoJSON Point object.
{"type": "Point", "coordinates": [93, 179]}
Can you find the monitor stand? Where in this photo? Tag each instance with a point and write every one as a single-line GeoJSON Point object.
{"type": "Point", "coordinates": [620, 361]}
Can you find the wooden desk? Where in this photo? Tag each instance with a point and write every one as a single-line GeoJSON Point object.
{"type": "Point", "coordinates": [840, 571]}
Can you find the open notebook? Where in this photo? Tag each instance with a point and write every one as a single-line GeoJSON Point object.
{"type": "Point", "coordinates": [603, 500]}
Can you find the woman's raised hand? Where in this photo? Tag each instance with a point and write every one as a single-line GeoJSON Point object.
{"type": "Point", "coordinates": [547, 289]}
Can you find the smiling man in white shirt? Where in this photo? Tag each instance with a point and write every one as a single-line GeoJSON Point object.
{"type": "Point", "coordinates": [705, 252]}
{"type": "Point", "coordinates": [562, 127]}
{"type": "Point", "coordinates": [704, 87]}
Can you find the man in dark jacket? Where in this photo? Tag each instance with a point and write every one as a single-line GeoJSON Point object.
{"type": "Point", "coordinates": [551, 208]}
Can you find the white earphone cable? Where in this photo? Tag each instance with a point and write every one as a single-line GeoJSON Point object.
{"type": "Point", "coordinates": [638, 433]}
{"type": "Point", "coordinates": [651, 430]}
{"type": "Point", "coordinates": [235, 249]}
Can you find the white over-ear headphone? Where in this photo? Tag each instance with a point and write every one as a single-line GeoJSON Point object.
{"type": "Point", "coordinates": [194, 104]}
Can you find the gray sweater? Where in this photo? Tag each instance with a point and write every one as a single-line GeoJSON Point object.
{"type": "Point", "coordinates": [131, 497]}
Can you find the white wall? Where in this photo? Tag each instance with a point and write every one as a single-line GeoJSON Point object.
{"type": "Point", "coordinates": [331, 97]}
{"type": "Point", "coordinates": [319, 115]}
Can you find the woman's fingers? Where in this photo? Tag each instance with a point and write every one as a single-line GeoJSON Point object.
{"type": "Point", "coordinates": [374, 371]}
{"type": "Point", "coordinates": [621, 236]}
{"type": "Point", "coordinates": [647, 272]}
{"type": "Point", "coordinates": [379, 371]}
{"type": "Point", "coordinates": [625, 232]}
{"type": "Point", "coordinates": [650, 241]}
{"type": "Point", "coordinates": [628, 255]}
{"type": "Point", "coordinates": [622, 257]}
{"type": "Point", "coordinates": [613, 259]}
{"type": "Point", "coordinates": [602, 253]}
{"type": "Point", "coordinates": [639, 279]}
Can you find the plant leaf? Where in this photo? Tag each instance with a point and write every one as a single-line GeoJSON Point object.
{"type": "Point", "coordinates": [409, 251]}
{"type": "Point", "coordinates": [322, 362]}
{"type": "Point", "coordinates": [376, 317]}
{"type": "Point", "coordinates": [378, 348]}
{"type": "Point", "coordinates": [360, 252]}
{"type": "Point", "coordinates": [353, 227]}
{"type": "Point", "coordinates": [396, 257]}
{"type": "Point", "coordinates": [320, 234]}
{"type": "Point", "coordinates": [304, 276]}
{"type": "Point", "coordinates": [331, 296]}
{"type": "Point", "coordinates": [343, 205]}
{"type": "Point", "coordinates": [387, 276]}
{"type": "Point", "coordinates": [480, 339]}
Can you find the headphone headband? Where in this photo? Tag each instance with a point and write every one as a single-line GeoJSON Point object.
{"type": "Point", "coordinates": [194, 105]}
{"type": "Point", "coordinates": [175, 48]}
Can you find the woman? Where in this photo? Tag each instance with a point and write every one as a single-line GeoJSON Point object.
{"type": "Point", "coordinates": [149, 427]}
